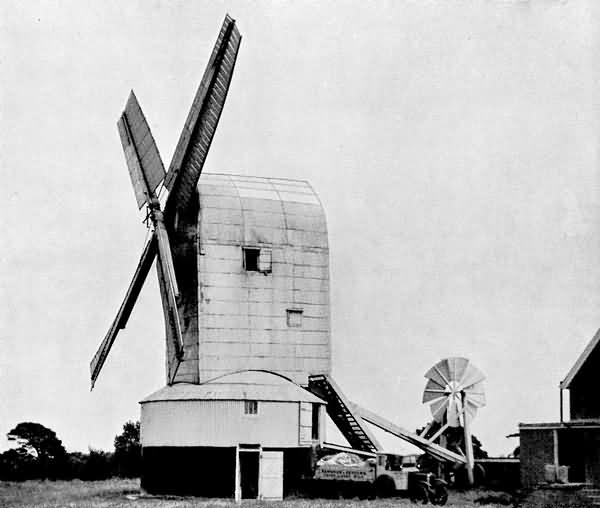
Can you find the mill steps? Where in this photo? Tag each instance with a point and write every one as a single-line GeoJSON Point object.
{"type": "Point", "coordinates": [341, 411]}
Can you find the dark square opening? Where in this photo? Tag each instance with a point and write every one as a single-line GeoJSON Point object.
{"type": "Point", "coordinates": [315, 422]}
{"type": "Point", "coordinates": [251, 259]}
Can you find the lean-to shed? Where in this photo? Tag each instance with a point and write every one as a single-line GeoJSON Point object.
{"type": "Point", "coordinates": [574, 441]}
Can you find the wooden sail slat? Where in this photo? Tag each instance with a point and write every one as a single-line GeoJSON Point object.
{"type": "Point", "coordinates": [145, 166]}
{"type": "Point", "coordinates": [167, 287]}
{"type": "Point", "coordinates": [196, 137]}
{"type": "Point", "coordinates": [124, 312]}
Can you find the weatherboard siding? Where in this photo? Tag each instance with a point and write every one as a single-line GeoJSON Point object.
{"type": "Point", "coordinates": [243, 320]}
{"type": "Point", "coordinates": [219, 423]}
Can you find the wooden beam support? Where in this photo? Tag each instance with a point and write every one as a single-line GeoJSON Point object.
{"type": "Point", "coordinates": [468, 443]}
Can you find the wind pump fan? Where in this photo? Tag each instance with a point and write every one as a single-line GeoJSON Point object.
{"type": "Point", "coordinates": [454, 391]}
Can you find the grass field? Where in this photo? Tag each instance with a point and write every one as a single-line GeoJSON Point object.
{"type": "Point", "coordinates": [125, 493]}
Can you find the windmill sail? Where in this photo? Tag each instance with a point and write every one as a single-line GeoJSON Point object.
{"type": "Point", "coordinates": [143, 159]}
{"type": "Point", "coordinates": [203, 118]}
{"type": "Point", "coordinates": [168, 286]}
{"type": "Point", "coordinates": [126, 307]}
{"type": "Point", "coordinates": [172, 323]}
{"type": "Point", "coordinates": [147, 171]}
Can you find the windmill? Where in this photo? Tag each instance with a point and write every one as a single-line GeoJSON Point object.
{"type": "Point", "coordinates": [147, 173]}
{"type": "Point", "coordinates": [243, 271]}
{"type": "Point", "coordinates": [455, 392]}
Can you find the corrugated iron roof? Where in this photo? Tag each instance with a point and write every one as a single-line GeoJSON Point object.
{"type": "Point", "coordinates": [592, 423]}
{"type": "Point", "coordinates": [244, 385]}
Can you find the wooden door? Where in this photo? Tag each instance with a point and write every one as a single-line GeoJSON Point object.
{"type": "Point", "coordinates": [271, 475]}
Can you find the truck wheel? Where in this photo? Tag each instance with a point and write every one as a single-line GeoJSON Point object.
{"type": "Point", "coordinates": [385, 486]}
{"type": "Point", "coordinates": [364, 491]}
{"type": "Point", "coordinates": [440, 495]}
{"type": "Point", "coordinates": [419, 494]}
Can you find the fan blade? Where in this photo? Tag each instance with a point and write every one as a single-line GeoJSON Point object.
{"type": "Point", "coordinates": [131, 296]}
{"type": "Point", "coordinates": [431, 395]}
{"type": "Point", "coordinates": [471, 376]}
{"type": "Point", "coordinates": [438, 409]}
{"type": "Point", "coordinates": [196, 137]}
{"type": "Point", "coordinates": [433, 390]}
{"type": "Point", "coordinates": [443, 368]}
{"type": "Point", "coordinates": [145, 166]}
{"type": "Point", "coordinates": [437, 374]}
{"type": "Point", "coordinates": [475, 398]}
{"type": "Point", "coordinates": [457, 367]}
{"type": "Point", "coordinates": [433, 384]}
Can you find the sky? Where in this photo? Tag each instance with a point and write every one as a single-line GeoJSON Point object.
{"type": "Point", "coordinates": [454, 146]}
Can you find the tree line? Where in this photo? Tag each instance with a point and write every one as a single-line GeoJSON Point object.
{"type": "Point", "coordinates": [40, 454]}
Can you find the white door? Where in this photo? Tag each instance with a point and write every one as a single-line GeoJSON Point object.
{"type": "Point", "coordinates": [271, 475]}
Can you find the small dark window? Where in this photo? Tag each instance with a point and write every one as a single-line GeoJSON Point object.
{"type": "Point", "coordinates": [294, 318]}
{"type": "Point", "coordinates": [315, 422]}
{"type": "Point", "coordinates": [257, 260]}
{"type": "Point", "coordinates": [251, 259]}
{"type": "Point", "coordinates": [250, 407]}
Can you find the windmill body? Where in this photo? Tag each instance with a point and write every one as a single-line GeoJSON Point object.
{"type": "Point", "coordinates": [263, 267]}
{"type": "Point", "coordinates": [252, 260]}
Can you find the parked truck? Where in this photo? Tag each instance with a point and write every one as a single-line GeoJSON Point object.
{"type": "Point", "coordinates": [376, 474]}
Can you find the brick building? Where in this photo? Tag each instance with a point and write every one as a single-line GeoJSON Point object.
{"type": "Point", "coordinates": [575, 441]}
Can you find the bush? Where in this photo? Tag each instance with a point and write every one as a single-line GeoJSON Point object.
{"type": "Point", "coordinates": [128, 451]}
{"type": "Point", "coordinates": [97, 465]}
{"type": "Point", "coordinates": [40, 454]}
{"type": "Point", "coordinates": [18, 465]}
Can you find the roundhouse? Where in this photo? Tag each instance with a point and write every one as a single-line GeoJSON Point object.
{"type": "Point", "coordinates": [245, 434]}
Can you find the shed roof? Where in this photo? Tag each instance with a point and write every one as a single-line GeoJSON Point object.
{"type": "Point", "coordinates": [242, 385]}
{"type": "Point", "coordinates": [566, 382]}
{"type": "Point", "coordinates": [573, 424]}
